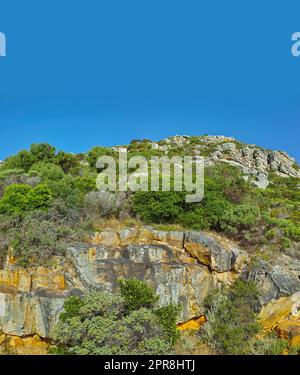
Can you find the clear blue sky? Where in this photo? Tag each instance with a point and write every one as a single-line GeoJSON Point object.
{"type": "Point", "coordinates": [82, 73]}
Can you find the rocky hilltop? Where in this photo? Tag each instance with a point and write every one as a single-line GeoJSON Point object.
{"type": "Point", "coordinates": [255, 162]}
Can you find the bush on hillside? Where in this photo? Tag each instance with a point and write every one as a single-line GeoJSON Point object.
{"type": "Point", "coordinates": [20, 198]}
{"type": "Point", "coordinates": [42, 151]}
{"type": "Point", "coordinates": [47, 171]}
{"type": "Point", "coordinates": [39, 235]}
{"type": "Point", "coordinates": [99, 204]}
{"type": "Point", "coordinates": [158, 207]}
{"type": "Point", "coordinates": [102, 323]}
{"type": "Point", "coordinates": [95, 153]}
{"type": "Point", "coordinates": [231, 320]}
{"type": "Point", "coordinates": [68, 162]}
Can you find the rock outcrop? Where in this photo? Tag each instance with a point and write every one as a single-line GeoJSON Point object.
{"type": "Point", "coordinates": [182, 267]}
{"type": "Point", "coordinates": [275, 281]}
{"type": "Point", "coordinates": [283, 316]}
{"type": "Point", "coordinates": [173, 280]}
{"type": "Point", "coordinates": [31, 300]}
{"type": "Point", "coordinates": [255, 162]}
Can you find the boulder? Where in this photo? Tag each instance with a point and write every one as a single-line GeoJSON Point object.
{"type": "Point", "coordinates": [283, 316]}
{"type": "Point", "coordinates": [210, 252]}
{"type": "Point", "coordinates": [227, 147]}
{"type": "Point", "coordinates": [274, 281]}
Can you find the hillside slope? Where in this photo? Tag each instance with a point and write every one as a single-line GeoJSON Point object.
{"type": "Point", "coordinates": [60, 237]}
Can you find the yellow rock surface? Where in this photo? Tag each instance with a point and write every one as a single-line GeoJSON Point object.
{"type": "Point", "coordinates": [48, 279]}
{"type": "Point", "coordinates": [30, 350]}
{"type": "Point", "coordinates": [106, 238]}
{"type": "Point", "coordinates": [277, 311]}
{"type": "Point", "coordinates": [25, 281]}
{"type": "Point", "coordinates": [2, 338]}
{"type": "Point", "coordinates": [192, 324]}
{"type": "Point", "coordinates": [283, 316]}
{"type": "Point", "coordinates": [35, 341]}
{"type": "Point", "coordinates": [18, 279]}
{"type": "Point", "coordinates": [199, 252]}
{"type": "Point", "coordinates": [31, 345]}
{"type": "Point", "coordinates": [15, 342]}
{"type": "Point", "coordinates": [289, 330]}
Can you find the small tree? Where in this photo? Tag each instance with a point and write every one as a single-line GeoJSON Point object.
{"type": "Point", "coordinates": [136, 294]}
{"type": "Point", "coordinates": [42, 151]}
{"type": "Point", "coordinates": [231, 320]}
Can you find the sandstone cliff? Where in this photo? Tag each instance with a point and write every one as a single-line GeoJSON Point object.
{"type": "Point", "coordinates": [183, 267]}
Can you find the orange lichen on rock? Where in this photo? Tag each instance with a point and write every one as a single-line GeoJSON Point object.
{"type": "Point", "coordinates": [283, 317]}
{"type": "Point", "coordinates": [15, 342]}
{"type": "Point", "coordinates": [289, 330]}
{"type": "Point", "coordinates": [193, 324]}
{"type": "Point", "coordinates": [92, 253]}
{"type": "Point", "coordinates": [29, 345]}
{"type": "Point", "coordinates": [48, 279]}
{"type": "Point", "coordinates": [18, 279]}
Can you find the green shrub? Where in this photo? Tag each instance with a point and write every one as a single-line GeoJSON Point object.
{"type": "Point", "coordinates": [232, 322]}
{"type": "Point", "coordinates": [67, 162]}
{"type": "Point", "coordinates": [23, 160]}
{"type": "Point", "coordinates": [102, 323]}
{"type": "Point", "coordinates": [268, 345]}
{"type": "Point", "coordinates": [39, 198]}
{"type": "Point", "coordinates": [95, 153]}
{"type": "Point", "coordinates": [67, 189]}
{"type": "Point", "coordinates": [158, 207]}
{"type": "Point", "coordinates": [39, 234]}
{"type": "Point", "coordinates": [99, 204]}
{"type": "Point", "coordinates": [136, 294]}
{"type": "Point", "coordinates": [239, 218]}
{"type": "Point", "coordinates": [15, 199]}
{"type": "Point", "coordinates": [168, 316]}
{"type": "Point", "coordinates": [48, 171]}
{"type": "Point", "coordinates": [19, 198]}
{"type": "Point", "coordinates": [42, 151]}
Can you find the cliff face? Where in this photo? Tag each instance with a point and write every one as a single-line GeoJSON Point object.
{"type": "Point", "coordinates": [182, 267]}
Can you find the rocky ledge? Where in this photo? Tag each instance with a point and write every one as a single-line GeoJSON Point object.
{"type": "Point", "coordinates": [183, 267]}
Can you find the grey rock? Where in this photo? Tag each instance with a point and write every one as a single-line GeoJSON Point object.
{"type": "Point", "coordinates": [261, 180]}
{"type": "Point", "coordinates": [274, 281]}
{"type": "Point", "coordinates": [209, 251]}
{"type": "Point", "coordinates": [173, 281]}
{"type": "Point", "coordinates": [228, 146]}
{"type": "Point", "coordinates": [23, 314]}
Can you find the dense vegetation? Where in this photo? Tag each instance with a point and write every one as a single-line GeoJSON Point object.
{"type": "Point", "coordinates": [130, 322]}
{"type": "Point", "coordinates": [232, 325]}
{"type": "Point", "coordinates": [42, 203]}
{"type": "Point", "coordinates": [234, 207]}
{"type": "Point", "coordinates": [48, 200]}
{"type": "Point", "coordinates": [45, 183]}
